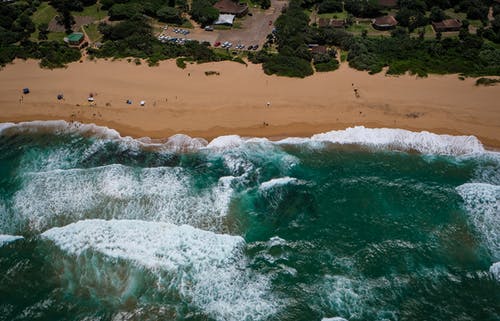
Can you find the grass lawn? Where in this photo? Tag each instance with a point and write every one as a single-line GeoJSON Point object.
{"type": "Point", "coordinates": [335, 15]}
{"type": "Point", "coordinates": [43, 14]}
{"type": "Point", "coordinates": [56, 36]}
{"type": "Point", "coordinates": [358, 28]}
{"type": "Point", "coordinates": [94, 11]}
{"type": "Point", "coordinates": [462, 16]}
{"type": "Point", "coordinates": [93, 32]}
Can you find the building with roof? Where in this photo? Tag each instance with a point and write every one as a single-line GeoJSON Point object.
{"type": "Point", "coordinates": [335, 23]}
{"type": "Point", "coordinates": [225, 19]}
{"type": "Point", "coordinates": [447, 25]}
{"type": "Point", "coordinates": [75, 39]}
{"type": "Point", "coordinates": [384, 23]}
{"type": "Point", "coordinates": [319, 49]}
{"type": "Point", "coordinates": [231, 7]}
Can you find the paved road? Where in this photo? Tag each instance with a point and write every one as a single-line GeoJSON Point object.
{"type": "Point", "coordinates": [254, 29]}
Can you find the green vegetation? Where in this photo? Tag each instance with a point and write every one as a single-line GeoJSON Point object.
{"type": "Point", "coordinates": [327, 66]}
{"type": "Point", "coordinates": [401, 53]}
{"type": "Point", "coordinates": [92, 32]}
{"type": "Point", "coordinates": [95, 11]}
{"type": "Point", "coordinates": [487, 82]}
{"type": "Point", "coordinates": [203, 12]}
{"type": "Point", "coordinates": [44, 14]}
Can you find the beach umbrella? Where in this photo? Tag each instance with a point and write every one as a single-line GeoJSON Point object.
{"type": "Point", "coordinates": [129, 102]}
{"type": "Point", "coordinates": [143, 103]}
{"type": "Point", "coordinates": [60, 96]}
{"type": "Point", "coordinates": [26, 90]}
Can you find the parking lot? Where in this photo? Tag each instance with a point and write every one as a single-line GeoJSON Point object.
{"type": "Point", "coordinates": [252, 30]}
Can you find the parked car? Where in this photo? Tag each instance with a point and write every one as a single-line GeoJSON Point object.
{"type": "Point", "coordinates": [217, 44]}
{"type": "Point", "coordinates": [250, 14]}
{"type": "Point", "coordinates": [255, 47]}
{"type": "Point", "coordinates": [250, 47]}
{"type": "Point", "coordinates": [209, 28]}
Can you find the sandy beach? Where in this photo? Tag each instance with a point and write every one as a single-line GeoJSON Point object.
{"type": "Point", "coordinates": [236, 101]}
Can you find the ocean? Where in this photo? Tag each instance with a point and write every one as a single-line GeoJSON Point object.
{"type": "Point", "coordinates": [357, 224]}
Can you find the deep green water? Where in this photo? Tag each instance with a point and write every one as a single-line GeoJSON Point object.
{"type": "Point", "coordinates": [115, 229]}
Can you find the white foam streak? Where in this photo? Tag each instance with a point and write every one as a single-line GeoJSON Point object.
{"type": "Point", "coordinates": [208, 269]}
{"type": "Point", "coordinates": [495, 270]}
{"type": "Point", "coordinates": [423, 142]}
{"type": "Point", "coordinates": [482, 202]}
{"type": "Point", "coordinates": [400, 139]}
{"type": "Point", "coordinates": [6, 239]}
{"type": "Point", "coordinates": [275, 182]}
{"type": "Point", "coordinates": [164, 194]}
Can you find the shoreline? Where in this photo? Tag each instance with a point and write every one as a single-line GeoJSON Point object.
{"type": "Point", "coordinates": [186, 101]}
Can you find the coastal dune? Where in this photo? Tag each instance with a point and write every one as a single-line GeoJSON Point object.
{"type": "Point", "coordinates": [243, 100]}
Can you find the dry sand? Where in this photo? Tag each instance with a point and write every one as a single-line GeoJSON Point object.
{"type": "Point", "coordinates": [234, 102]}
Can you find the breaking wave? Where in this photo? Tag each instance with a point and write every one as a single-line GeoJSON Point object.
{"type": "Point", "coordinates": [209, 270]}
{"type": "Point", "coordinates": [166, 194]}
{"type": "Point", "coordinates": [399, 139]}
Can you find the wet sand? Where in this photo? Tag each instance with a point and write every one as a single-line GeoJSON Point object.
{"type": "Point", "coordinates": [236, 101]}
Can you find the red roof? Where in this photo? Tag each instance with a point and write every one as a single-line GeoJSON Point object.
{"type": "Point", "coordinates": [231, 7]}
{"type": "Point", "coordinates": [385, 21]}
{"type": "Point", "coordinates": [448, 24]}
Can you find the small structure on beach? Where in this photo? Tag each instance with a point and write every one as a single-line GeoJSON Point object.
{"type": "Point", "coordinates": [26, 90]}
{"type": "Point", "coordinates": [143, 102]}
{"type": "Point", "coordinates": [384, 23]}
{"type": "Point", "coordinates": [231, 7]}
{"type": "Point", "coordinates": [447, 25]}
{"type": "Point", "coordinates": [75, 39]}
{"type": "Point", "coordinates": [60, 96]}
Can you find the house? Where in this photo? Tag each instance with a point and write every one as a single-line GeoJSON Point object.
{"type": "Point", "coordinates": [336, 23]}
{"type": "Point", "coordinates": [323, 22]}
{"type": "Point", "coordinates": [384, 23]}
{"type": "Point", "coordinates": [231, 7]}
{"type": "Point", "coordinates": [75, 39]}
{"type": "Point", "coordinates": [319, 50]}
{"type": "Point", "coordinates": [447, 25]}
{"type": "Point", "coordinates": [388, 3]}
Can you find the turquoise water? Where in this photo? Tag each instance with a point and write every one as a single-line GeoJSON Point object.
{"type": "Point", "coordinates": [357, 224]}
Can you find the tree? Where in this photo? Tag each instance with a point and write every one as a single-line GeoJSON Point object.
{"type": "Point", "coordinates": [169, 14]}
{"type": "Point", "coordinates": [203, 12]}
{"type": "Point", "coordinates": [43, 31]}
{"type": "Point", "coordinates": [265, 4]}
{"type": "Point", "coordinates": [329, 6]}
{"type": "Point", "coordinates": [437, 14]}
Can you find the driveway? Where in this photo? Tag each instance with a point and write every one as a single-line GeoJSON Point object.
{"type": "Point", "coordinates": [253, 31]}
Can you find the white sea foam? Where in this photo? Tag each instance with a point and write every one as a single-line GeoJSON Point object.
{"type": "Point", "coordinates": [275, 182]}
{"type": "Point", "coordinates": [226, 142]}
{"type": "Point", "coordinates": [165, 194]}
{"type": "Point", "coordinates": [334, 319]}
{"type": "Point", "coordinates": [5, 239]}
{"type": "Point", "coordinates": [207, 269]}
{"type": "Point", "coordinates": [58, 127]}
{"type": "Point", "coordinates": [495, 270]}
{"type": "Point", "coordinates": [423, 142]}
{"type": "Point", "coordinates": [482, 202]}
